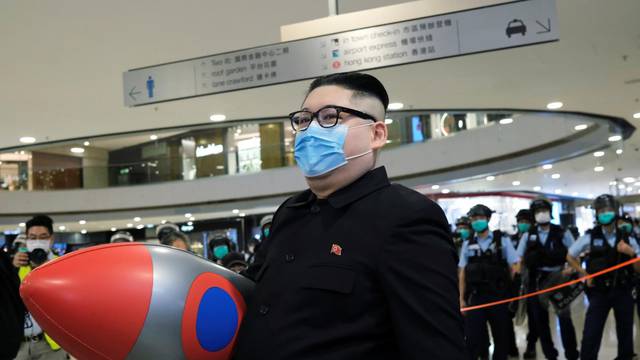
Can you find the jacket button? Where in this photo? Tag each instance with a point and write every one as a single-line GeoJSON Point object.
{"type": "Point", "coordinates": [289, 258]}
{"type": "Point", "coordinates": [264, 310]}
{"type": "Point", "coordinates": [315, 208]}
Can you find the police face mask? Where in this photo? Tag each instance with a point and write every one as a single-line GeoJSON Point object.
{"type": "Point", "coordinates": [543, 217]}
{"type": "Point", "coordinates": [606, 218]}
{"type": "Point", "coordinates": [480, 225]}
{"type": "Point", "coordinates": [220, 251]}
{"type": "Point", "coordinates": [523, 227]}
{"type": "Point", "coordinates": [464, 233]}
{"type": "Point", "coordinates": [320, 150]}
{"type": "Point", "coordinates": [625, 228]}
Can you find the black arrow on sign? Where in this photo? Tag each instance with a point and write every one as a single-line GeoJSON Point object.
{"type": "Point", "coordinates": [132, 93]}
{"type": "Point", "coordinates": [546, 28]}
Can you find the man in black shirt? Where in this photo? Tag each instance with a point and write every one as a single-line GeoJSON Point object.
{"type": "Point", "coordinates": [355, 267]}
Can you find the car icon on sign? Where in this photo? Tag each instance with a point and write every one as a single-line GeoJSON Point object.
{"type": "Point", "coordinates": [516, 26]}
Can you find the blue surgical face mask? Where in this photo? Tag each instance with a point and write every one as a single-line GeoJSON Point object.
{"type": "Point", "coordinates": [626, 228]}
{"type": "Point", "coordinates": [606, 218]}
{"type": "Point", "coordinates": [464, 233]}
{"type": "Point", "coordinates": [220, 251]}
{"type": "Point", "coordinates": [320, 150]}
{"type": "Point", "coordinates": [480, 225]}
{"type": "Point", "coordinates": [523, 227]}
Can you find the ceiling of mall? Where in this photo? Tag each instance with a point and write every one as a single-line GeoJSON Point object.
{"type": "Point", "coordinates": [62, 70]}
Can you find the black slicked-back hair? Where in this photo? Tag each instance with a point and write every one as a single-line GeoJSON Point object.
{"type": "Point", "coordinates": [361, 85]}
{"type": "Point", "coordinates": [40, 220]}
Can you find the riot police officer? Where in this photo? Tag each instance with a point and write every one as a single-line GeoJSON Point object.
{"type": "Point", "coordinates": [609, 243]}
{"type": "Point", "coordinates": [524, 220]}
{"type": "Point", "coordinates": [485, 270]}
{"type": "Point", "coordinates": [543, 250]}
{"type": "Point", "coordinates": [462, 232]}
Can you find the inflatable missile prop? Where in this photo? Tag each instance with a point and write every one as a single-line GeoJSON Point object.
{"type": "Point", "coordinates": [138, 301]}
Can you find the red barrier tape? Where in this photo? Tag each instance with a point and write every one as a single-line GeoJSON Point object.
{"type": "Point", "coordinates": [553, 288]}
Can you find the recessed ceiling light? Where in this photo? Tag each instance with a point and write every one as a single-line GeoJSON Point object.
{"type": "Point", "coordinates": [506, 121]}
{"type": "Point", "coordinates": [629, 180]}
{"type": "Point", "coordinates": [77, 150]}
{"type": "Point", "coordinates": [235, 211]}
{"type": "Point", "coordinates": [598, 168]}
{"type": "Point", "coordinates": [619, 151]}
{"type": "Point", "coordinates": [113, 229]}
{"type": "Point", "coordinates": [86, 143]}
{"type": "Point", "coordinates": [516, 183]}
{"type": "Point", "coordinates": [491, 178]}
{"type": "Point", "coordinates": [580, 127]}
{"type": "Point", "coordinates": [62, 228]}
{"type": "Point", "coordinates": [163, 221]}
{"type": "Point", "coordinates": [153, 137]}
{"type": "Point", "coordinates": [558, 191]}
{"type": "Point", "coordinates": [192, 218]}
{"type": "Point", "coordinates": [82, 222]}
{"type": "Point", "coordinates": [435, 187]}
{"type": "Point", "coordinates": [188, 215]}
{"type": "Point", "coordinates": [22, 224]}
{"type": "Point", "coordinates": [140, 227]}
{"type": "Point", "coordinates": [388, 121]}
{"type": "Point", "coordinates": [537, 188]}
{"type": "Point", "coordinates": [27, 139]}
{"type": "Point", "coordinates": [242, 214]}
{"type": "Point", "coordinates": [446, 191]}
{"type": "Point", "coordinates": [190, 223]}
{"type": "Point", "coordinates": [636, 115]}
{"type": "Point", "coordinates": [555, 176]}
{"type": "Point", "coordinates": [574, 194]}
{"type": "Point", "coordinates": [217, 117]}
{"type": "Point", "coordinates": [554, 105]}
{"type": "Point", "coordinates": [598, 154]}
{"type": "Point", "coordinates": [129, 225]}
{"type": "Point", "coordinates": [547, 166]}
{"type": "Point", "coordinates": [615, 138]}
{"type": "Point", "coordinates": [137, 219]}
{"type": "Point", "coordinates": [395, 106]}
{"type": "Point", "coordinates": [83, 231]}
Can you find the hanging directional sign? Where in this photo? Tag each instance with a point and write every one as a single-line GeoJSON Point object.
{"type": "Point", "coordinates": [502, 26]}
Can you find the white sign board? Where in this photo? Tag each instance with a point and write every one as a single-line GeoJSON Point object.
{"type": "Point", "coordinates": [472, 31]}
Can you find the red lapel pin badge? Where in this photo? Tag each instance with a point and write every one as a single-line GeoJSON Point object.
{"type": "Point", "coordinates": [336, 249]}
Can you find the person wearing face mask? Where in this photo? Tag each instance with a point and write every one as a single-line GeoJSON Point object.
{"type": "Point", "coordinates": [355, 267]}
{"type": "Point", "coordinates": [543, 250]}
{"type": "Point", "coordinates": [36, 344]}
{"type": "Point", "coordinates": [219, 246]}
{"type": "Point", "coordinates": [463, 231]}
{"type": "Point", "coordinates": [486, 266]}
{"type": "Point", "coordinates": [609, 243]}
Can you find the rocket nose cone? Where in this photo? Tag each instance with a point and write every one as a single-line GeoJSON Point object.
{"type": "Point", "coordinates": [93, 302]}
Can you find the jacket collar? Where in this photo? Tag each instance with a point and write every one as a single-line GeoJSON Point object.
{"type": "Point", "coordinates": [365, 185]}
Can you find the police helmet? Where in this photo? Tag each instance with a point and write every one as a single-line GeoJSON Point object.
{"type": "Point", "coordinates": [463, 220]}
{"type": "Point", "coordinates": [605, 201]}
{"type": "Point", "coordinates": [540, 204]}
{"type": "Point", "coordinates": [121, 236]}
{"type": "Point", "coordinates": [480, 210]}
{"type": "Point", "coordinates": [524, 214]}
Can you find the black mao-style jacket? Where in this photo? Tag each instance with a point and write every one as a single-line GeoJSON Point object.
{"type": "Point", "coordinates": [369, 273]}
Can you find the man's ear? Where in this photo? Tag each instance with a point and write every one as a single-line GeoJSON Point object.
{"type": "Point", "coordinates": [378, 135]}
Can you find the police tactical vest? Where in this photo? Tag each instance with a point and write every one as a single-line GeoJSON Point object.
{"type": "Point", "coordinates": [602, 256]}
{"type": "Point", "coordinates": [552, 253]}
{"type": "Point", "coordinates": [487, 270]}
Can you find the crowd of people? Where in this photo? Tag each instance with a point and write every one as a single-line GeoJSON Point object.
{"type": "Point", "coordinates": [494, 266]}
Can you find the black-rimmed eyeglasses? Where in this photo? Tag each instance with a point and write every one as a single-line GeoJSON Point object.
{"type": "Point", "coordinates": [326, 117]}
